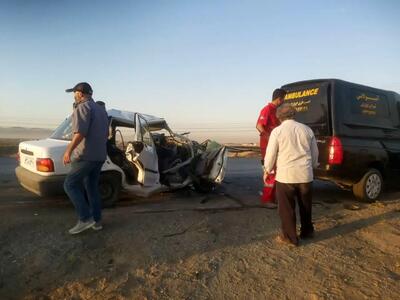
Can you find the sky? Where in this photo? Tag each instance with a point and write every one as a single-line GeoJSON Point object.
{"type": "Point", "coordinates": [206, 66]}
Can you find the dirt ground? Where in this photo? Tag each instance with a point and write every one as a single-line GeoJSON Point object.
{"type": "Point", "coordinates": [186, 245]}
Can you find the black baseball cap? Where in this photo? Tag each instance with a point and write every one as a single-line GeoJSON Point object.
{"type": "Point", "coordinates": [83, 87]}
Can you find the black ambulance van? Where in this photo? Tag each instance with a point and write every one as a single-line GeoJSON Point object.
{"type": "Point", "coordinates": [357, 130]}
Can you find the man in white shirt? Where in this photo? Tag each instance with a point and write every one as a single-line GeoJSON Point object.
{"type": "Point", "coordinates": [292, 146]}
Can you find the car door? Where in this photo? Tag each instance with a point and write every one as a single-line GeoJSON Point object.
{"type": "Point", "coordinates": [148, 156]}
{"type": "Point", "coordinates": [217, 172]}
{"type": "Point", "coordinates": [211, 164]}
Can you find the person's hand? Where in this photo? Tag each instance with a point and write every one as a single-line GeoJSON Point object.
{"type": "Point", "coordinates": [66, 157]}
{"type": "Point", "coordinates": [265, 176]}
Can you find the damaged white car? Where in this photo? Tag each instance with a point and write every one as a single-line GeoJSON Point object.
{"type": "Point", "coordinates": [144, 157]}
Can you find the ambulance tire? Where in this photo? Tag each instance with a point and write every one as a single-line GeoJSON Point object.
{"type": "Point", "coordinates": [109, 188]}
{"type": "Point", "coordinates": [369, 187]}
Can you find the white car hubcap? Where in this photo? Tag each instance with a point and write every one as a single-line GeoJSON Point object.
{"type": "Point", "coordinates": [373, 186]}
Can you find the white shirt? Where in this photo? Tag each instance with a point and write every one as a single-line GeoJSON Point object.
{"type": "Point", "coordinates": [293, 147]}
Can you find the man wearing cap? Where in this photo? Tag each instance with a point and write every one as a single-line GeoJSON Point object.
{"type": "Point", "coordinates": [86, 153]}
{"type": "Point", "coordinates": [266, 122]}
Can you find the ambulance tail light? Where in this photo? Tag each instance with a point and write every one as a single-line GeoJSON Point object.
{"type": "Point", "coordinates": [44, 165]}
{"type": "Point", "coordinates": [335, 151]}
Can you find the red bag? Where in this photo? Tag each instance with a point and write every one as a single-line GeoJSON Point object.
{"type": "Point", "coordinates": [268, 192]}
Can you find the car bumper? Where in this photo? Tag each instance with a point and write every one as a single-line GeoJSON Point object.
{"type": "Point", "coordinates": [338, 174]}
{"type": "Point", "coordinates": [40, 185]}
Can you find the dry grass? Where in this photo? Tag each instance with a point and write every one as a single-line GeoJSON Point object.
{"type": "Point", "coordinates": [240, 151]}
{"type": "Point", "coordinates": [244, 154]}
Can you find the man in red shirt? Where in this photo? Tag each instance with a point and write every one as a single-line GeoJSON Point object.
{"type": "Point", "coordinates": [268, 120]}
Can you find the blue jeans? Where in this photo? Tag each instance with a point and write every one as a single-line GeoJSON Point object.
{"type": "Point", "coordinates": [84, 178]}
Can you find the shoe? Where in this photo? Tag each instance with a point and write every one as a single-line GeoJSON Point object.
{"type": "Point", "coordinates": [270, 205]}
{"type": "Point", "coordinates": [285, 241]}
{"type": "Point", "coordinates": [81, 226]}
{"type": "Point", "coordinates": [306, 235]}
{"type": "Point", "coordinates": [97, 226]}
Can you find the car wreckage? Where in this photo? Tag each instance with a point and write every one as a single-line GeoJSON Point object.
{"type": "Point", "coordinates": [144, 157]}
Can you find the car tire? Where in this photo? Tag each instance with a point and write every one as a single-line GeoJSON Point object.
{"type": "Point", "coordinates": [369, 187]}
{"type": "Point", "coordinates": [109, 188]}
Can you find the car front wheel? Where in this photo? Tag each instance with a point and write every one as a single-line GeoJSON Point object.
{"type": "Point", "coordinates": [369, 187]}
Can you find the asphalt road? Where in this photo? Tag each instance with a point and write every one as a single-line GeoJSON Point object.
{"type": "Point", "coordinates": [7, 166]}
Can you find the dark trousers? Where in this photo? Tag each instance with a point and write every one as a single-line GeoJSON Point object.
{"type": "Point", "coordinates": [83, 179]}
{"type": "Point", "coordinates": [286, 194]}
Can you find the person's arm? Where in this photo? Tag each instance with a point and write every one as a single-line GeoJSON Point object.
{"type": "Point", "coordinates": [260, 128]}
{"type": "Point", "coordinates": [271, 153]}
{"type": "Point", "coordinates": [262, 122]}
{"type": "Point", "coordinates": [314, 152]}
{"type": "Point", "coordinates": [80, 127]}
{"type": "Point", "coordinates": [76, 139]}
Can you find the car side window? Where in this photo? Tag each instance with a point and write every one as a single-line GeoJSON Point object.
{"type": "Point", "coordinates": [123, 135]}
{"type": "Point", "coordinates": [368, 104]}
{"type": "Point", "coordinates": [145, 132]}
{"type": "Point", "coordinates": [369, 107]}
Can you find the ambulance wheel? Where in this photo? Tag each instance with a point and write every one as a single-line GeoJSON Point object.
{"type": "Point", "coordinates": [109, 188]}
{"type": "Point", "coordinates": [369, 187]}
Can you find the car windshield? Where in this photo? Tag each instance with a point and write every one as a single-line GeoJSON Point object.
{"type": "Point", "coordinates": [64, 131]}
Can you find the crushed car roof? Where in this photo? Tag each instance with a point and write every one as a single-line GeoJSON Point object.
{"type": "Point", "coordinates": [123, 116]}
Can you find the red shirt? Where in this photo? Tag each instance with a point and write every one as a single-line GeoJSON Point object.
{"type": "Point", "coordinates": [269, 121]}
{"type": "Point", "coordinates": [268, 118]}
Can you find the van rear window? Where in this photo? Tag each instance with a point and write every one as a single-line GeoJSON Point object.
{"type": "Point", "coordinates": [311, 104]}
